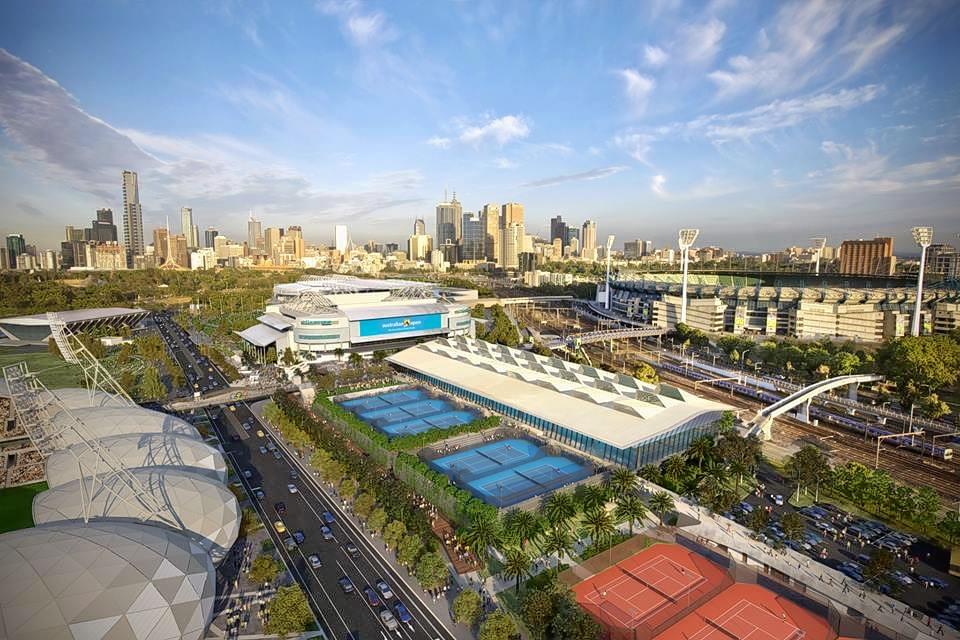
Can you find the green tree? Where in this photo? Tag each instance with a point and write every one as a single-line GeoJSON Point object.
{"type": "Point", "coordinates": [288, 357]}
{"type": "Point", "coordinates": [570, 622]}
{"type": "Point", "coordinates": [338, 353]}
{"type": "Point", "coordinates": [793, 525]}
{"type": "Point", "coordinates": [927, 508]}
{"type": "Point", "coordinates": [950, 526]}
{"type": "Point", "coordinates": [347, 488]}
{"type": "Point", "coordinates": [536, 609]}
{"type": "Point", "coordinates": [622, 481]}
{"type": "Point", "coordinates": [393, 533]}
{"type": "Point", "coordinates": [758, 520]}
{"type": "Point", "coordinates": [288, 612]}
{"type": "Point", "coordinates": [661, 503]}
{"type": "Point", "coordinates": [524, 526]}
{"type": "Point", "coordinates": [364, 504]}
{"type": "Point", "coordinates": [516, 566]}
{"type": "Point", "coordinates": [264, 569]}
{"type": "Point", "coordinates": [630, 508]}
{"type": "Point", "coordinates": [934, 408]}
{"type": "Point", "coordinates": [598, 524]}
{"type": "Point", "coordinates": [377, 520]}
{"type": "Point", "coordinates": [431, 571]}
{"type": "Point", "coordinates": [497, 626]}
{"type": "Point", "coordinates": [559, 509]}
{"type": "Point", "coordinates": [467, 607]}
{"type": "Point", "coordinates": [151, 386]}
{"type": "Point", "coordinates": [355, 360]}
{"type": "Point", "coordinates": [379, 355]}
{"type": "Point", "coordinates": [482, 533]}
{"type": "Point", "coordinates": [645, 373]}
{"type": "Point", "coordinates": [701, 450]}
{"type": "Point", "coordinates": [409, 549]}
{"type": "Point", "coordinates": [592, 496]}
{"type": "Point", "coordinates": [914, 362]}
{"type": "Point", "coordinates": [879, 569]}
{"type": "Point", "coordinates": [557, 541]}
{"type": "Point", "coordinates": [675, 467]}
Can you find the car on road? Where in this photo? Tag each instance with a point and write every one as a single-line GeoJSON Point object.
{"type": "Point", "coordinates": [298, 536]}
{"type": "Point", "coordinates": [352, 549]}
{"type": "Point", "coordinates": [280, 508]}
{"type": "Point", "coordinates": [314, 560]}
{"type": "Point", "coordinates": [902, 578]}
{"type": "Point", "coordinates": [372, 599]}
{"type": "Point", "coordinates": [384, 589]}
{"type": "Point", "coordinates": [276, 454]}
{"type": "Point", "coordinates": [292, 488]}
{"type": "Point", "coordinates": [279, 527]}
{"type": "Point", "coordinates": [259, 433]}
{"type": "Point", "coordinates": [934, 582]}
{"type": "Point", "coordinates": [328, 517]}
{"type": "Point", "coordinates": [259, 493]}
{"type": "Point", "coordinates": [400, 610]}
{"type": "Point", "coordinates": [263, 450]}
{"type": "Point", "coordinates": [389, 620]}
{"type": "Point", "coordinates": [247, 473]}
{"type": "Point", "coordinates": [326, 532]}
{"type": "Point", "coordinates": [776, 499]}
{"type": "Point", "coordinates": [346, 584]}
{"type": "Point", "coordinates": [290, 542]}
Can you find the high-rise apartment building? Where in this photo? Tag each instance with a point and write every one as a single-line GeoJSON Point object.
{"type": "Point", "coordinates": [102, 229]}
{"type": "Point", "coordinates": [132, 217]}
{"type": "Point", "coordinates": [295, 234]}
{"type": "Point", "coordinates": [558, 229]}
{"type": "Point", "coordinates": [473, 246]}
{"type": "Point", "coordinates": [178, 252]}
{"type": "Point", "coordinates": [419, 227]}
{"type": "Point", "coordinates": [161, 245]}
{"type": "Point", "coordinates": [341, 238]}
{"type": "Point", "coordinates": [511, 245]}
{"type": "Point", "coordinates": [254, 235]}
{"type": "Point", "coordinates": [588, 236]}
{"type": "Point", "coordinates": [868, 257]}
{"type": "Point", "coordinates": [449, 222]}
{"type": "Point", "coordinates": [419, 247]}
{"type": "Point", "coordinates": [208, 237]}
{"type": "Point", "coordinates": [490, 219]}
{"type": "Point", "coordinates": [511, 213]}
{"type": "Point", "coordinates": [186, 228]}
{"type": "Point", "coordinates": [272, 238]}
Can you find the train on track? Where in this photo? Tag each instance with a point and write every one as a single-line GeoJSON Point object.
{"type": "Point", "coordinates": [874, 430]}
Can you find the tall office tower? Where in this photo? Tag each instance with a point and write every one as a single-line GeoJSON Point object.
{"type": "Point", "coordinates": [16, 247]}
{"type": "Point", "coordinates": [512, 213]}
{"type": "Point", "coordinates": [178, 253]}
{"type": "Point", "coordinates": [449, 222]}
{"type": "Point", "coordinates": [511, 245]}
{"type": "Point", "coordinates": [558, 229]}
{"type": "Point", "coordinates": [208, 237]}
{"type": "Point", "coordinates": [132, 217]}
{"type": "Point", "coordinates": [419, 227]}
{"type": "Point", "coordinates": [474, 238]}
{"type": "Point", "coordinates": [186, 228]}
{"type": "Point", "coordinates": [573, 233]}
{"type": "Point", "coordinates": [490, 219]}
{"type": "Point", "coordinates": [295, 233]}
{"type": "Point", "coordinates": [254, 235]}
{"type": "Point", "coordinates": [557, 244]}
{"type": "Point", "coordinates": [634, 249]}
{"type": "Point", "coordinates": [341, 239]}
{"type": "Point", "coordinates": [588, 237]}
{"type": "Point", "coordinates": [103, 229]}
{"type": "Point", "coordinates": [419, 246]}
{"type": "Point", "coordinates": [271, 241]}
{"type": "Point", "coordinates": [161, 244]}
{"type": "Point", "coordinates": [868, 257]}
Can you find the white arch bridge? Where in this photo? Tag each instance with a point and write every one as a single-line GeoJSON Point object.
{"type": "Point", "coordinates": [761, 423]}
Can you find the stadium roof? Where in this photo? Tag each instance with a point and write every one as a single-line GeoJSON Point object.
{"type": "Point", "coordinates": [613, 408]}
{"type": "Point", "coordinates": [203, 508]}
{"type": "Point", "coordinates": [143, 450]}
{"type": "Point", "coordinates": [101, 422]}
{"type": "Point", "coordinates": [275, 321]}
{"type": "Point", "coordinates": [78, 398]}
{"type": "Point", "coordinates": [35, 328]}
{"type": "Point", "coordinates": [104, 580]}
{"type": "Point", "coordinates": [380, 311]}
{"type": "Point", "coordinates": [260, 335]}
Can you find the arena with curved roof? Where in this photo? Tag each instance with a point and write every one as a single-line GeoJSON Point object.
{"type": "Point", "coordinates": [104, 579]}
{"type": "Point", "coordinates": [101, 422]}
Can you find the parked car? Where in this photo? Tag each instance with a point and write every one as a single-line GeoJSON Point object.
{"type": "Point", "coordinates": [384, 589]}
{"type": "Point", "coordinates": [314, 560]}
{"type": "Point", "coordinates": [372, 598]}
{"type": "Point", "coordinates": [400, 610]}
{"type": "Point", "coordinates": [263, 450]}
{"type": "Point", "coordinates": [389, 620]}
{"type": "Point", "coordinates": [292, 488]}
{"type": "Point", "coordinates": [298, 536]}
{"type": "Point", "coordinates": [279, 526]}
{"type": "Point", "coordinates": [326, 532]}
{"type": "Point", "coordinates": [328, 517]}
{"type": "Point", "coordinates": [346, 584]}
{"type": "Point", "coordinates": [352, 549]}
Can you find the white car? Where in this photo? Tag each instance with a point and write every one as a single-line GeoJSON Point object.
{"type": "Point", "coordinates": [292, 488]}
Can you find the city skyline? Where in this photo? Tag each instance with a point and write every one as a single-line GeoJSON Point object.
{"type": "Point", "coordinates": [812, 119]}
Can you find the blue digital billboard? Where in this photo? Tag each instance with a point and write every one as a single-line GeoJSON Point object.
{"type": "Point", "coordinates": [399, 324]}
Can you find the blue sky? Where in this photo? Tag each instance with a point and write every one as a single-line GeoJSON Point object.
{"type": "Point", "coordinates": [762, 123]}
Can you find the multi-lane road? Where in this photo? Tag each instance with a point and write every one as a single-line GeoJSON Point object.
{"type": "Point", "coordinates": [343, 614]}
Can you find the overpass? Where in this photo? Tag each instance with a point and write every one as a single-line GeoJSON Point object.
{"type": "Point", "coordinates": [489, 302]}
{"type": "Point", "coordinates": [761, 423]}
{"type": "Point", "coordinates": [577, 339]}
{"type": "Point", "coordinates": [223, 396]}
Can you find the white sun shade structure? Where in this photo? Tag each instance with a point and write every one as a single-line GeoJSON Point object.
{"type": "Point", "coordinates": [101, 422]}
{"type": "Point", "coordinates": [159, 450]}
{"type": "Point", "coordinates": [79, 398]}
{"type": "Point", "coordinates": [203, 508]}
{"type": "Point", "coordinates": [104, 580]}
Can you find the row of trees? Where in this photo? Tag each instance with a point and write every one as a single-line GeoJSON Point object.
{"type": "Point", "coordinates": [500, 329]}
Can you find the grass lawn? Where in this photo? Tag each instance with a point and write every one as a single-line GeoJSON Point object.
{"type": "Point", "coordinates": [51, 370]}
{"type": "Point", "coordinates": [15, 506]}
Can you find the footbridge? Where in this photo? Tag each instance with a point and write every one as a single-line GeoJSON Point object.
{"type": "Point", "coordinates": [577, 339]}
{"type": "Point", "coordinates": [761, 423]}
{"type": "Point", "coordinates": [231, 394]}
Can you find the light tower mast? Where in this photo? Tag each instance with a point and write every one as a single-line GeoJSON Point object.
{"type": "Point", "coordinates": [818, 245]}
{"type": "Point", "coordinates": [686, 240]}
{"type": "Point", "coordinates": [923, 236]}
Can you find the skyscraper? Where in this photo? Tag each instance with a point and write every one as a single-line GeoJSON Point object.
{"type": "Point", "coordinates": [295, 233]}
{"type": "Point", "coordinates": [419, 227]}
{"type": "Point", "coordinates": [341, 238]}
{"type": "Point", "coordinates": [490, 219]}
{"type": "Point", "coordinates": [186, 228]}
{"type": "Point", "coordinates": [474, 238]}
{"type": "Point", "coordinates": [512, 214]}
{"type": "Point", "coordinates": [449, 222]}
{"type": "Point", "coordinates": [161, 244]}
{"type": "Point", "coordinates": [511, 245]}
{"type": "Point", "coordinates": [271, 242]}
{"type": "Point", "coordinates": [16, 246]}
{"type": "Point", "coordinates": [558, 229]}
{"type": "Point", "coordinates": [102, 229]}
{"type": "Point", "coordinates": [132, 217]}
{"type": "Point", "coordinates": [588, 238]}
{"type": "Point", "coordinates": [254, 235]}
{"type": "Point", "coordinates": [208, 237]}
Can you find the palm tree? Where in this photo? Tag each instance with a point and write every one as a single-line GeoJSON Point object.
{"type": "Point", "coordinates": [525, 526]}
{"type": "Point", "coordinates": [516, 566]}
{"type": "Point", "coordinates": [675, 467]}
{"type": "Point", "coordinates": [557, 541]}
{"type": "Point", "coordinates": [355, 359]}
{"type": "Point", "coordinates": [592, 496]}
{"type": "Point", "coordinates": [738, 469]}
{"type": "Point", "coordinates": [650, 472]}
{"type": "Point", "coordinates": [598, 524]}
{"type": "Point", "coordinates": [559, 509]}
{"type": "Point", "coordinates": [482, 533]}
{"type": "Point", "coordinates": [709, 487]}
{"type": "Point", "coordinates": [660, 503]}
{"type": "Point", "coordinates": [700, 450]}
{"type": "Point", "coordinates": [630, 508]}
{"type": "Point", "coordinates": [622, 481]}
{"type": "Point", "coordinates": [338, 353]}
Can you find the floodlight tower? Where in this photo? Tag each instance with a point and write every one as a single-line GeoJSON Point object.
{"type": "Point", "coordinates": [686, 240]}
{"type": "Point", "coordinates": [606, 304]}
{"type": "Point", "coordinates": [923, 236]}
{"type": "Point", "coordinates": [818, 245]}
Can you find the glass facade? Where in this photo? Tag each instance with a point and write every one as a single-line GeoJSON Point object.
{"type": "Point", "coordinates": [651, 451]}
{"type": "Point", "coordinates": [474, 238]}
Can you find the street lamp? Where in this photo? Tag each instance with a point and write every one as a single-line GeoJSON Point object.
{"type": "Point", "coordinates": [923, 236]}
{"type": "Point", "coordinates": [818, 245]}
{"type": "Point", "coordinates": [686, 240]}
{"type": "Point", "coordinates": [609, 251]}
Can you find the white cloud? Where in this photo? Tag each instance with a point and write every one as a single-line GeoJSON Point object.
{"type": "Point", "coordinates": [498, 130]}
{"type": "Point", "coordinates": [592, 174]}
{"type": "Point", "coordinates": [504, 163]}
{"type": "Point", "coordinates": [866, 170]}
{"type": "Point", "coordinates": [637, 88]}
{"type": "Point", "coordinates": [654, 56]}
{"type": "Point", "coordinates": [439, 142]}
{"type": "Point", "coordinates": [594, 151]}
{"type": "Point", "coordinates": [636, 145]}
{"type": "Point", "coordinates": [362, 28]}
{"type": "Point", "coordinates": [658, 185]}
{"type": "Point", "coordinates": [700, 42]}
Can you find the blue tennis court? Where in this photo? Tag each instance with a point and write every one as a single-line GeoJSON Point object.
{"type": "Point", "coordinates": [407, 412]}
{"type": "Point", "coordinates": [506, 472]}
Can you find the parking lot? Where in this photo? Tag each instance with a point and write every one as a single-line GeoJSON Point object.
{"type": "Point", "coordinates": [845, 542]}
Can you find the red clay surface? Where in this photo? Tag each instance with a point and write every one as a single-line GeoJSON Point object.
{"type": "Point", "coordinates": [749, 612]}
{"type": "Point", "coordinates": [649, 588]}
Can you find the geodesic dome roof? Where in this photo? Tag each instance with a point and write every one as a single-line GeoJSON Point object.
{"type": "Point", "coordinates": [101, 422]}
{"type": "Point", "coordinates": [205, 509]}
{"type": "Point", "coordinates": [142, 450]}
{"type": "Point", "coordinates": [104, 580]}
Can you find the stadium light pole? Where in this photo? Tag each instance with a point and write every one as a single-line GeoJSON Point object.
{"type": "Point", "coordinates": [609, 250]}
{"type": "Point", "coordinates": [686, 240]}
{"type": "Point", "coordinates": [818, 245]}
{"type": "Point", "coordinates": [923, 236]}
